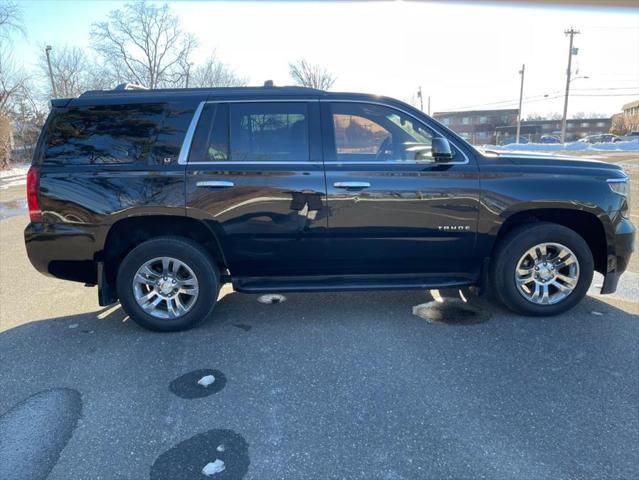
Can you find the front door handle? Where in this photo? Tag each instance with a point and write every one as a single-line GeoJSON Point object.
{"type": "Point", "coordinates": [352, 185]}
{"type": "Point", "coordinates": [215, 184]}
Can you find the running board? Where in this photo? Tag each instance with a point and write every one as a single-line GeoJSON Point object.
{"type": "Point", "coordinates": [336, 283]}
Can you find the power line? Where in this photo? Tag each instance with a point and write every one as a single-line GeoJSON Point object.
{"type": "Point", "coordinates": [604, 88]}
{"type": "Point", "coordinates": [539, 98]}
{"type": "Point", "coordinates": [605, 94]}
{"type": "Point", "coordinates": [513, 101]}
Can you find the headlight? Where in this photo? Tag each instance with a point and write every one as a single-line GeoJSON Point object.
{"type": "Point", "coordinates": [619, 185]}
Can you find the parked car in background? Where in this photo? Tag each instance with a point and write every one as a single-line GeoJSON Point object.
{"type": "Point", "coordinates": [549, 139]}
{"type": "Point", "coordinates": [601, 138]}
{"type": "Point", "coordinates": [630, 137]}
{"type": "Point", "coordinates": [159, 197]}
{"type": "Point", "coordinates": [513, 140]}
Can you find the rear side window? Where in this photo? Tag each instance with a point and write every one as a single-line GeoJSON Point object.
{"type": "Point", "coordinates": [269, 132]}
{"type": "Point", "coordinates": [104, 134]}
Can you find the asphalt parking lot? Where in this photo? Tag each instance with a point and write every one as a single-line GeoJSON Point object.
{"type": "Point", "coordinates": [344, 385]}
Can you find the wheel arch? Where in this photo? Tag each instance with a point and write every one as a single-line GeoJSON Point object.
{"type": "Point", "coordinates": [129, 232]}
{"type": "Point", "coordinates": [590, 226]}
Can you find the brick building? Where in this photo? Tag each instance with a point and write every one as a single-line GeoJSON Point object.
{"type": "Point", "coordinates": [576, 128]}
{"type": "Point", "coordinates": [500, 126]}
{"type": "Point", "coordinates": [477, 126]}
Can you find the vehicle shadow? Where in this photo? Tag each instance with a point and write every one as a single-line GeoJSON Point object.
{"type": "Point", "coordinates": [328, 364]}
{"type": "Point", "coordinates": [453, 307]}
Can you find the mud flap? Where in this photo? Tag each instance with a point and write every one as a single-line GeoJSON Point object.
{"type": "Point", "coordinates": [106, 294]}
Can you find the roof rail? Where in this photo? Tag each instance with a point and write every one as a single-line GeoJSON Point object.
{"type": "Point", "coordinates": [130, 86]}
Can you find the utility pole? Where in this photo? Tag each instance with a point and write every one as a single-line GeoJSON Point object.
{"type": "Point", "coordinates": [48, 50]}
{"type": "Point", "coordinates": [421, 99]}
{"type": "Point", "coordinates": [521, 97]}
{"type": "Point", "coordinates": [188, 73]}
{"type": "Point", "coordinates": [572, 32]}
{"type": "Point", "coordinates": [428, 104]}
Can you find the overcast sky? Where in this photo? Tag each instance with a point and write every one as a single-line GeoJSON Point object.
{"type": "Point", "coordinates": [462, 54]}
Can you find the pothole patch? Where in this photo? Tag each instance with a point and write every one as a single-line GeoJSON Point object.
{"type": "Point", "coordinates": [198, 384]}
{"type": "Point", "coordinates": [451, 312]}
{"type": "Point", "coordinates": [271, 298]}
{"type": "Point", "coordinates": [216, 454]}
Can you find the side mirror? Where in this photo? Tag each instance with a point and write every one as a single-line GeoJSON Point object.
{"type": "Point", "coordinates": [441, 151]}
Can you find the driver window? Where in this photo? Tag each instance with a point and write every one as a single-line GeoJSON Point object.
{"type": "Point", "coordinates": [358, 138]}
{"type": "Point", "coordinates": [369, 133]}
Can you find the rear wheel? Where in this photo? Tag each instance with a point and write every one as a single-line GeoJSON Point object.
{"type": "Point", "coordinates": [168, 284]}
{"type": "Point", "coordinates": [541, 269]}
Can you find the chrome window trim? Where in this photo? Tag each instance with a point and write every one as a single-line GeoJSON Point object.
{"type": "Point", "coordinates": [221, 163]}
{"type": "Point", "coordinates": [392, 162]}
{"type": "Point", "coordinates": [190, 133]}
{"type": "Point", "coordinates": [387, 105]}
{"type": "Point", "coordinates": [185, 149]}
{"type": "Point", "coordinates": [188, 138]}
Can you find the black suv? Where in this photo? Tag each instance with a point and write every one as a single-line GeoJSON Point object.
{"type": "Point", "coordinates": [159, 197]}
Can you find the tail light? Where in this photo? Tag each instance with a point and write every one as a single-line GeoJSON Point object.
{"type": "Point", "coordinates": [33, 185]}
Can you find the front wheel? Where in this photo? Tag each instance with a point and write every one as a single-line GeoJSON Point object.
{"type": "Point", "coordinates": [168, 284]}
{"type": "Point", "coordinates": [541, 269]}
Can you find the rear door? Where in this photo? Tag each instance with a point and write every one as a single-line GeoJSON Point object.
{"type": "Point", "coordinates": [255, 175]}
{"type": "Point", "coordinates": [393, 209]}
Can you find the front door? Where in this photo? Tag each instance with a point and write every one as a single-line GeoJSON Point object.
{"type": "Point", "coordinates": [393, 208]}
{"type": "Point", "coordinates": [255, 176]}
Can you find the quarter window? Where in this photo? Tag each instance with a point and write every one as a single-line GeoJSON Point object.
{"type": "Point", "coordinates": [104, 134]}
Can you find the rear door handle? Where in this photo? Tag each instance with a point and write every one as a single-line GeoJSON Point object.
{"type": "Point", "coordinates": [352, 185]}
{"type": "Point", "coordinates": [215, 184]}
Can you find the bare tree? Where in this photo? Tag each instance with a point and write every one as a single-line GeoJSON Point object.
{"type": "Point", "coordinates": [12, 80]}
{"type": "Point", "coordinates": [10, 19]}
{"type": "Point", "coordinates": [311, 75]}
{"type": "Point", "coordinates": [214, 73]}
{"type": "Point", "coordinates": [12, 83]}
{"type": "Point", "coordinates": [623, 123]}
{"type": "Point", "coordinates": [145, 43]}
{"type": "Point", "coordinates": [70, 67]}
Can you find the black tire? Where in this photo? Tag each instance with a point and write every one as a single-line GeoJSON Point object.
{"type": "Point", "coordinates": [186, 251]}
{"type": "Point", "coordinates": [511, 248]}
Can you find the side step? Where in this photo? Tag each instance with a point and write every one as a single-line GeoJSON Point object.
{"type": "Point", "coordinates": [336, 283]}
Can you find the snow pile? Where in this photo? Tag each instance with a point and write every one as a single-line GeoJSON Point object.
{"type": "Point", "coordinates": [206, 380]}
{"type": "Point", "coordinates": [631, 146]}
{"type": "Point", "coordinates": [15, 171]}
{"type": "Point", "coordinates": [213, 467]}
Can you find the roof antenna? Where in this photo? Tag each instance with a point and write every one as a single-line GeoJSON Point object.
{"type": "Point", "coordinates": [269, 84]}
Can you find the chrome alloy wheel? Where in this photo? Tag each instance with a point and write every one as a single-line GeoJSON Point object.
{"type": "Point", "coordinates": [547, 273]}
{"type": "Point", "coordinates": [165, 287]}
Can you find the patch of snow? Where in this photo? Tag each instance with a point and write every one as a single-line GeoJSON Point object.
{"type": "Point", "coordinates": [212, 468]}
{"type": "Point", "coordinates": [221, 448]}
{"type": "Point", "coordinates": [206, 380]}
{"type": "Point", "coordinates": [14, 171]}
{"type": "Point", "coordinates": [271, 298]}
{"type": "Point", "coordinates": [630, 146]}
